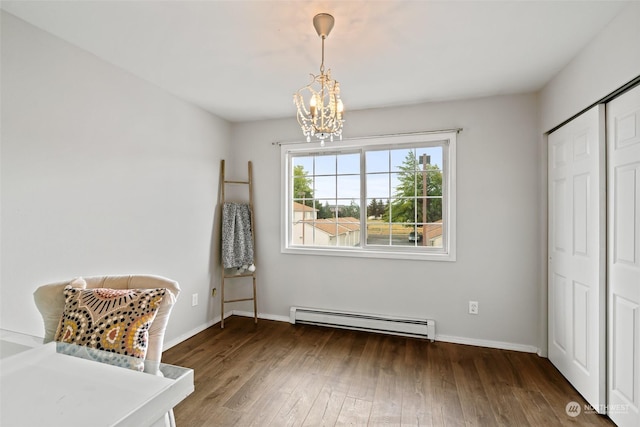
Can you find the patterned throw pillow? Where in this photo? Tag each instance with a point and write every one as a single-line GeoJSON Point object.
{"type": "Point", "coordinates": [112, 320]}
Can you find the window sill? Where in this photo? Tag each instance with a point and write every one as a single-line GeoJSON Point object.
{"type": "Point", "coordinates": [370, 253]}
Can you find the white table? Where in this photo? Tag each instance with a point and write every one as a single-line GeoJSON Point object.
{"type": "Point", "coordinates": [41, 387]}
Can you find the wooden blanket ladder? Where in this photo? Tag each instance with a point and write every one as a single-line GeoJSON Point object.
{"type": "Point", "coordinates": [224, 274]}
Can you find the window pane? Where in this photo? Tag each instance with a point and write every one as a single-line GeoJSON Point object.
{"type": "Point", "coordinates": [434, 183]}
{"type": "Point", "coordinates": [303, 210]}
{"type": "Point", "coordinates": [296, 233]}
{"type": "Point", "coordinates": [378, 232]}
{"type": "Point", "coordinates": [377, 161]}
{"type": "Point", "coordinates": [429, 157]}
{"type": "Point", "coordinates": [376, 208]}
{"type": "Point", "coordinates": [434, 157]}
{"type": "Point", "coordinates": [349, 163]}
{"type": "Point", "coordinates": [349, 187]}
{"type": "Point", "coordinates": [422, 207]}
{"type": "Point", "coordinates": [403, 159]}
{"type": "Point", "coordinates": [403, 210]}
{"type": "Point", "coordinates": [350, 209]}
{"type": "Point", "coordinates": [349, 232]}
{"type": "Point", "coordinates": [406, 184]}
{"type": "Point", "coordinates": [323, 208]}
{"type": "Point", "coordinates": [305, 162]}
{"type": "Point", "coordinates": [325, 187]}
{"type": "Point", "coordinates": [434, 209]}
{"type": "Point", "coordinates": [395, 182]}
{"type": "Point", "coordinates": [416, 235]}
{"type": "Point", "coordinates": [378, 185]}
{"type": "Point", "coordinates": [326, 232]}
{"type": "Point", "coordinates": [433, 235]}
{"type": "Point", "coordinates": [325, 165]}
{"type": "Point", "coordinates": [400, 234]}
{"type": "Point", "coordinates": [302, 179]}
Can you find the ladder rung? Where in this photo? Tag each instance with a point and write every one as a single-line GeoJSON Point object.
{"type": "Point", "coordinates": [236, 182]}
{"type": "Point", "coordinates": [232, 276]}
{"type": "Point", "coordinates": [239, 299]}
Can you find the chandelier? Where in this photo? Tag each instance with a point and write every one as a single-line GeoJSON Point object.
{"type": "Point", "coordinates": [324, 115]}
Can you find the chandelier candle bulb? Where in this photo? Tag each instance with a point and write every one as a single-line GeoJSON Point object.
{"type": "Point", "coordinates": [312, 106]}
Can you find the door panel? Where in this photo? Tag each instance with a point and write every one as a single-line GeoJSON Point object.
{"type": "Point", "coordinates": [580, 322]}
{"type": "Point", "coordinates": [577, 254]}
{"type": "Point", "coordinates": [580, 214]}
{"type": "Point", "coordinates": [623, 141]}
{"type": "Point", "coordinates": [559, 327]}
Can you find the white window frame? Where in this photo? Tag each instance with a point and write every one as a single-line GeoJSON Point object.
{"type": "Point", "coordinates": [447, 253]}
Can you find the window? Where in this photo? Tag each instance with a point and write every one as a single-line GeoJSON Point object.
{"type": "Point", "coordinates": [391, 197]}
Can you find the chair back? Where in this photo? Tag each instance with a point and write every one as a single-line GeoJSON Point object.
{"type": "Point", "coordinates": [50, 302]}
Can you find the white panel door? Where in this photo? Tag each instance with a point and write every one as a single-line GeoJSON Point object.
{"type": "Point", "coordinates": [577, 345]}
{"type": "Point", "coordinates": [623, 141]}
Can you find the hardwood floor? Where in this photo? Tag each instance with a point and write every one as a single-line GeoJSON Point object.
{"type": "Point", "coordinates": [278, 374]}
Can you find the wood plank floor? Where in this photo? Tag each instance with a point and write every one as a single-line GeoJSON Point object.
{"type": "Point", "coordinates": [278, 374]}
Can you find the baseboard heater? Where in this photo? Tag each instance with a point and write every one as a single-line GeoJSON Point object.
{"type": "Point", "coordinates": [395, 325]}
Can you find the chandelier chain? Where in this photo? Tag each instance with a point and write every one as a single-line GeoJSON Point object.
{"type": "Point", "coordinates": [322, 63]}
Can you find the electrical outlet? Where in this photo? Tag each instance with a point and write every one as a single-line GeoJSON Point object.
{"type": "Point", "coordinates": [473, 307]}
{"type": "Point", "coordinates": [194, 300]}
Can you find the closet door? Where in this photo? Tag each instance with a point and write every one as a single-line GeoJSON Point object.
{"type": "Point", "coordinates": [623, 141]}
{"type": "Point", "coordinates": [577, 345]}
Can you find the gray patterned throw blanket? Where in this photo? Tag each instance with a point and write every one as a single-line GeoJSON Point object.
{"type": "Point", "coordinates": [237, 244]}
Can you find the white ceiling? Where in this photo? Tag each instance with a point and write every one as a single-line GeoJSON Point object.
{"type": "Point", "coordinates": [243, 60]}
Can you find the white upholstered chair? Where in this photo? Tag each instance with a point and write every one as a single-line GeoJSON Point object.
{"type": "Point", "coordinates": [50, 301]}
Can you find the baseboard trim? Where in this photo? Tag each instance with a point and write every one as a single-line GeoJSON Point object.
{"type": "Point", "coordinates": [488, 343]}
{"type": "Point", "coordinates": [444, 338]}
{"type": "Point", "coordinates": [261, 316]}
{"type": "Point", "coordinates": [168, 344]}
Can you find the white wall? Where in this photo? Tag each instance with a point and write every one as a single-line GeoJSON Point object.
{"type": "Point", "coordinates": [607, 63]}
{"type": "Point", "coordinates": [498, 227]}
{"type": "Point", "coordinates": [102, 173]}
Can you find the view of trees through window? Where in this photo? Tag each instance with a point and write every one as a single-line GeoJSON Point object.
{"type": "Point", "coordinates": [402, 198]}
